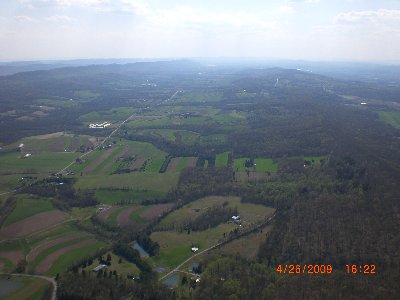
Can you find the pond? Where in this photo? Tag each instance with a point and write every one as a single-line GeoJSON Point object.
{"type": "Point", "coordinates": [159, 269]}
{"type": "Point", "coordinates": [8, 286]}
{"type": "Point", "coordinates": [172, 280]}
{"type": "Point", "coordinates": [139, 248]}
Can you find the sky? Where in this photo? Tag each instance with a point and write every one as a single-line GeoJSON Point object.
{"type": "Point", "coordinates": [318, 30]}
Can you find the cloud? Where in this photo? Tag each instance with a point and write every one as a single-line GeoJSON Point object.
{"type": "Point", "coordinates": [24, 19]}
{"type": "Point", "coordinates": [58, 18]}
{"type": "Point", "coordinates": [380, 15]}
{"type": "Point", "coordinates": [286, 9]}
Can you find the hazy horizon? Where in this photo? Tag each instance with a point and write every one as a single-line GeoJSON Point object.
{"type": "Point", "coordinates": [309, 30]}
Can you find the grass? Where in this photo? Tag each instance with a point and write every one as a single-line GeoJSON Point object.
{"type": "Point", "coordinates": [42, 255]}
{"type": "Point", "coordinates": [27, 206]}
{"type": "Point", "coordinates": [167, 134]}
{"type": "Point", "coordinates": [199, 97]}
{"type": "Point", "coordinates": [188, 137]}
{"type": "Point", "coordinates": [8, 265]}
{"type": "Point", "coordinates": [82, 213]}
{"type": "Point", "coordinates": [57, 102]}
{"type": "Point", "coordinates": [175, 246]}
{"type": "Point", "coordinates": [122, 268]}
{"type": "Point", "coordinates": [112, 218]}
{"type": "Point", "coordinates": [112, 197]}
{"type": "Point", "coordinates": [140, 150]}
{"type": "Point", "coordinates": [221, 159]}
{"type": "Point", "coordinates": [55, 232]}
{"type": "Point", "coordinates": [315, 160]}
{"type": "Point", "coordinates": [38, 162]}
{"type": "Point", "coordinates": [11, 245]}
{"type": "Point", "coordinates": [265, 165]}
{"type": "Point", "coordinates": [182, 164]}
{"type": "Point", "coordinates": [31, 289]}
{"type": "Point", "coordinates": [64, 261]}
{"type": "Point", "coordinates": [262, 165]}
{"type": "Point", "coordinates": [110, 159]}
{"type": "Point", "coordinates": [154, 182]}
{"type": "Point", "coordinates": [135, 216]}
{"type": "Point", "coordinates": [87, 95]}
{"type": "Point", "coordinates": [213, 139]}
{"type": "Point", "coordinates": [112, 115]}
{"type": "Point", "coordinates": [154, 164]}
{"type": "Point", "coordinates": [390, 117]}
{"type": "Point", "coordinates": [77, 168]}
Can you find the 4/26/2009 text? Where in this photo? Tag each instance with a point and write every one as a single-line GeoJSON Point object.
{"type": "Point", "coordinates": [295, 269]}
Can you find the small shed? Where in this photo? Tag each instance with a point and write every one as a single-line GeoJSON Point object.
{"type": "Point", "coordinates": [99, 267]}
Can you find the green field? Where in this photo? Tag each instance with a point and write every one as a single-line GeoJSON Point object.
{"type": "Point", "coordinates": [168, 134]}
{"type": "Point", "coordinates": [390, 117]}
{"type": "Point", "coordinates": [141, 151]}
{"type": "Point", "coordinates": [265, 165]}
{"type": "Point", "coordinates": [32, 265]}
{"type": "Point", "coordinates": [112, 197]}
{"type": "Point", "coordinates": [57, 102]}
{"type": "Point", "coordinates": [187, 137]}
{"type": "Point", "coordinates": [14, 245]}
{"type": "Point", "coordinates": [112, 218]}
{"type": "Point", "coordinates": [199, 97]}
{"type": "Point", "coordinates": [27, 206]}
{"type": "Point", "coordinates": [117, 152]}
{"type": "Point", "coordinates": [112, 115]}
{"type": "Point", "coordinates": [60, 230]}
{"type": "Point", "coordinates": [261, 165]}
{"type": "Point", "coordinates": [153, 182]}
{"type": "Point", "coordinates": [315, 160]}
{"type": "Point", "coordinates": [54, 142]}
{"type": "Point", "coordinates": [213, 139]}
{"type": "Point", "coordinates": [64, 261]}
{"type": "Point", "coordinates": [29, 289]}
{"type": "Point", "coordinates": [221, 160]}
{"type": "Point", "coordinates": [175, 246]}
{"type": "Point", "coordinates": [86, 95]}
{"type": "Point", "coordinates": [38, 162]}
{"type": "Point", "coordinates": [122, 268]}
{"type": "Point", "coordinates": [135, 216]}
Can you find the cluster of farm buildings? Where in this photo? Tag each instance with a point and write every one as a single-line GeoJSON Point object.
{"type": "Point", "coordinates": [101, 125]}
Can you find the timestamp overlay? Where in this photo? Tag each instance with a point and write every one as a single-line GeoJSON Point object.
{"type": "Point", "coordinates": [325, 269]}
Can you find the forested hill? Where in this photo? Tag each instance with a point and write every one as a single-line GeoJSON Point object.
{"type": "Point", "coordinates": [33, 100]}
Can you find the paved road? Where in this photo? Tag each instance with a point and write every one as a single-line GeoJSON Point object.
{"type": "Point", "coordinates": [50, 279]}
{"type": "Point", "coordinates": [99, 145]}
{"type": "Point", "coordinates": [190, 258]}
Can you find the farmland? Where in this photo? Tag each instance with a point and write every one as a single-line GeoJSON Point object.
{"type": "Point", "coordinates": [133, 215]}
{"type": "Point", "coordinates": [261, 165]}
{"type": "Point", "coordinates": [390, 117]}
{"type": "Point", "coordinates": [28, 206]}
{"type": "Point", "coordinates": [221, 160]}
{"type": "Point", "coordinates": [267, 164]}
{"type": "Point", "coordinates": [49, 251]}
{"type": "Point", "coordinates": [175, 244]}
{"type": "Point", "coordinates": [117, 196]}
{"type": "Point", "coordinates": [177, 164]}
{"type": "Point", "coordinates": [23, 288]}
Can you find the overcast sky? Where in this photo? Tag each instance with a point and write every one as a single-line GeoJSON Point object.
{"type": "Point", "coordinates": [361, 30]}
